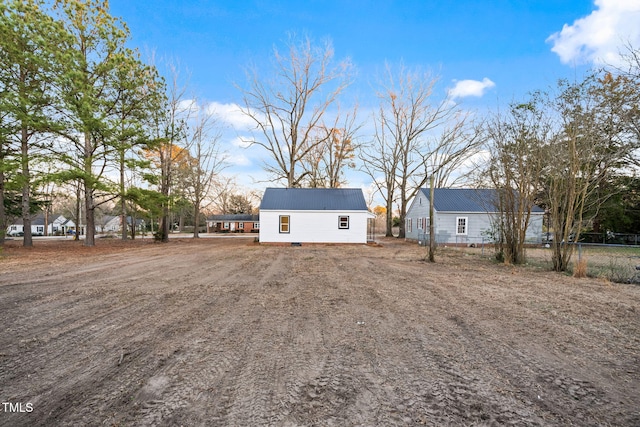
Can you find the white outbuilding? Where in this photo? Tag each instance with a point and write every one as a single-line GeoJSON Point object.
{"type": "Point", "coordinates": [314, 215]}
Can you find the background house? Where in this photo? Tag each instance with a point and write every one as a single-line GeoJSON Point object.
{"type": "Point", "coordinates": [56, 225]}
{"type": "Point", "coordinates": [314, 215]}
{"type": "Point", "coordinates": [113, 224]}
{"type": "Point", "coordinates": [16, 228]}
{"type": "Point", "coordinates": [233, 223]}
{"type": "Point", "coordinates": [463, 216]}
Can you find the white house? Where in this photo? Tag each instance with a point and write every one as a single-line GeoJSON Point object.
{"type": "Point", "coordinates": [57, 224]}
{"type": "Point", "coordinates": [314, 215]}
{"type": "Point", "coordinates": [113, 224]}
{"type": "Point", "coordinates": [463, 216]}
{"type": "Point", "coordinates": [109, 224]}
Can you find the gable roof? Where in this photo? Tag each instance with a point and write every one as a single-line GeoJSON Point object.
{"type": "Point", "coordinates": [106, 219]}
{"type": "Point", "coordinates": [235, 217]}
{"type": "Point", "coordinates": [37, 219]}
{"type": "Point", "coordinates": [466, 200]}
{"type": "Point", "coordinates": [313, 199]}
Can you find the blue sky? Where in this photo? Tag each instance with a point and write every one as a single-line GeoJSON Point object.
{"type": "Point", "coordinates": [487, 52]}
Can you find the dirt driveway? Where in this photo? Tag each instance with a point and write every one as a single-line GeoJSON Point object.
{"type": "Point", "coordinates": [225, 332]}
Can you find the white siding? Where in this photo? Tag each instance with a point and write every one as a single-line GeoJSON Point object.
{"type": "Point", "coordinates": [313, 227]}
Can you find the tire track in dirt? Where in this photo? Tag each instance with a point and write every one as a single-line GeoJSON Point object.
{"type": "Point", "coordinates": [529, 374]}
{"type": "Point", "coordinates": [102, 372]}
{"type": "Point", "coordinates": [314, 335]}
{"type": "Point", "coordinates": [213, 370]}
{"type": "Point", "coordinates": [452, 392]}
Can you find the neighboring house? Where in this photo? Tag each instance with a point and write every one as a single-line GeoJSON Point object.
{"type": "Point", "coordinates": [113, 224]}
{"type": "Point", "coordinates": [56, 225]}
{"type": "Point", "coordinates": [60, 225]}
{"type": "Point", "coordinates": [314, 215]}
{"type": "Point", "coordinates": [233, 223]}
{"type": "Point", "coordinates": [108, 223]}
{"type": "Point", "coordinates": [462, 216]}
{"type": "Point", "coordinates": [37, 226]}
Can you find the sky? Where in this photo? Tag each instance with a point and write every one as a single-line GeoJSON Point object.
{"type": "Point", "coordinates": [485, 53]}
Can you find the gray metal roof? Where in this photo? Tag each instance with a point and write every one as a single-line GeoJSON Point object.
{"type": "Point", "coordinates": [466, 200]}
{"type": "Point", "coordinates": [313, 199]}
{"type": "Point", "coordinates": [37, 219]}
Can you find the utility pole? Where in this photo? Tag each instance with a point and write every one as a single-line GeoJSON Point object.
{"type": "Point", "coordinates": [432, 237]}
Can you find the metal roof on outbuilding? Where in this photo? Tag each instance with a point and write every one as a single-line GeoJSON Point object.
{"type": "Point", "coordinates": [313, 199]}
{"type": "Point", "coordinates": [466, 200]}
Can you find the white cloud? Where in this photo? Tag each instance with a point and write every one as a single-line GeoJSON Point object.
{"type": "Point", "coordinates": [241, 142]}
{"type": "Point", "coordinates": [464, 88]}
{"type": "Point", "coordinates": [231, 114]}
{"type": "Point", "coordinates": [238, 159]}
{"type": "Point", "coordinates": [188, 105]}
{"type": "Point", "coordinates": [600, 36]}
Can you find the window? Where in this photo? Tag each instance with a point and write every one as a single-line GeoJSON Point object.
{"type": "Point", "coordinates": [284, 223]}
{"type": "Point", "coordinates": [419, 223]}
{"type": "Point", "coordinates": [256, 225]}
{"type": "Point", "coordinates": [409, 225]}
{"type": "Point", "coordinates": [343, 222]}
{"type": "Point", "coordinates": [461, 225]}
{"type": "Point", "coordinates": [225, 226]}
{"type": "Point", "coordinates": [241, 225]}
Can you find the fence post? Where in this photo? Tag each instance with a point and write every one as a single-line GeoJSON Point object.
{"type": "Point", "coordinates": [579, 252]}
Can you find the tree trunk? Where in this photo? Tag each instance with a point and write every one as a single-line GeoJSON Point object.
{"type": "Point", "coordinates": [389, 232]}
{"type": "Point", "coordinates": [3, 214]}
{"type": "Point", "coordinates": [89, 206]}
{"type": "Point", "coordinates": [123, 202]}
{"type": "Point", "coordinates": [163, 230]}
{"type": "Point", "coordinates": [403, 215]}
{"type": "Point", "coordinates": [90, 226]}
{"type": "Point", "coordinates": [76, 236]}
{"type": "Point", "coordinates": [196, 221]}
{"type": "Point", "coordinates": [163, 227]}
{"type": "Point", "coordinates": [133, 226]}
{"type": "Point", "coordinates": [26, 196]}
{"type": "Point", "coordinates": [432, 234]}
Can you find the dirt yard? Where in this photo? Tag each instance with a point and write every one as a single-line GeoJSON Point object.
{"type": "Point", "coordinates": [225, 332]}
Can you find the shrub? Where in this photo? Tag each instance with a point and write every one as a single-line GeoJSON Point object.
{"type": "Point", "coordinates": [580, 269]}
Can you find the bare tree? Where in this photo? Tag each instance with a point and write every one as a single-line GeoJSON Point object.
{"type": "Point", "coordinates": [519, 141]}
{"type": "Point", "coordinates": [205, 162]}
{"type": "Point", "coordinates": [628, 78]}
{"type": "Point", "coordinates": [288, 108]}
{"type": "Point", "coordinates": [223, 188]}
{"type": "Point", "coordinates": [239, 204]}
{"type": "Point", "coordinates": [333, 150]}
{"type": "Point", "coordinates": [380, 160]}
{"type": "Point", "coordinates": [414, 130]}
{"type": "Point", "coordinates": [168, 126]}
{"type": "Point", "coordinates": [588, 147]}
